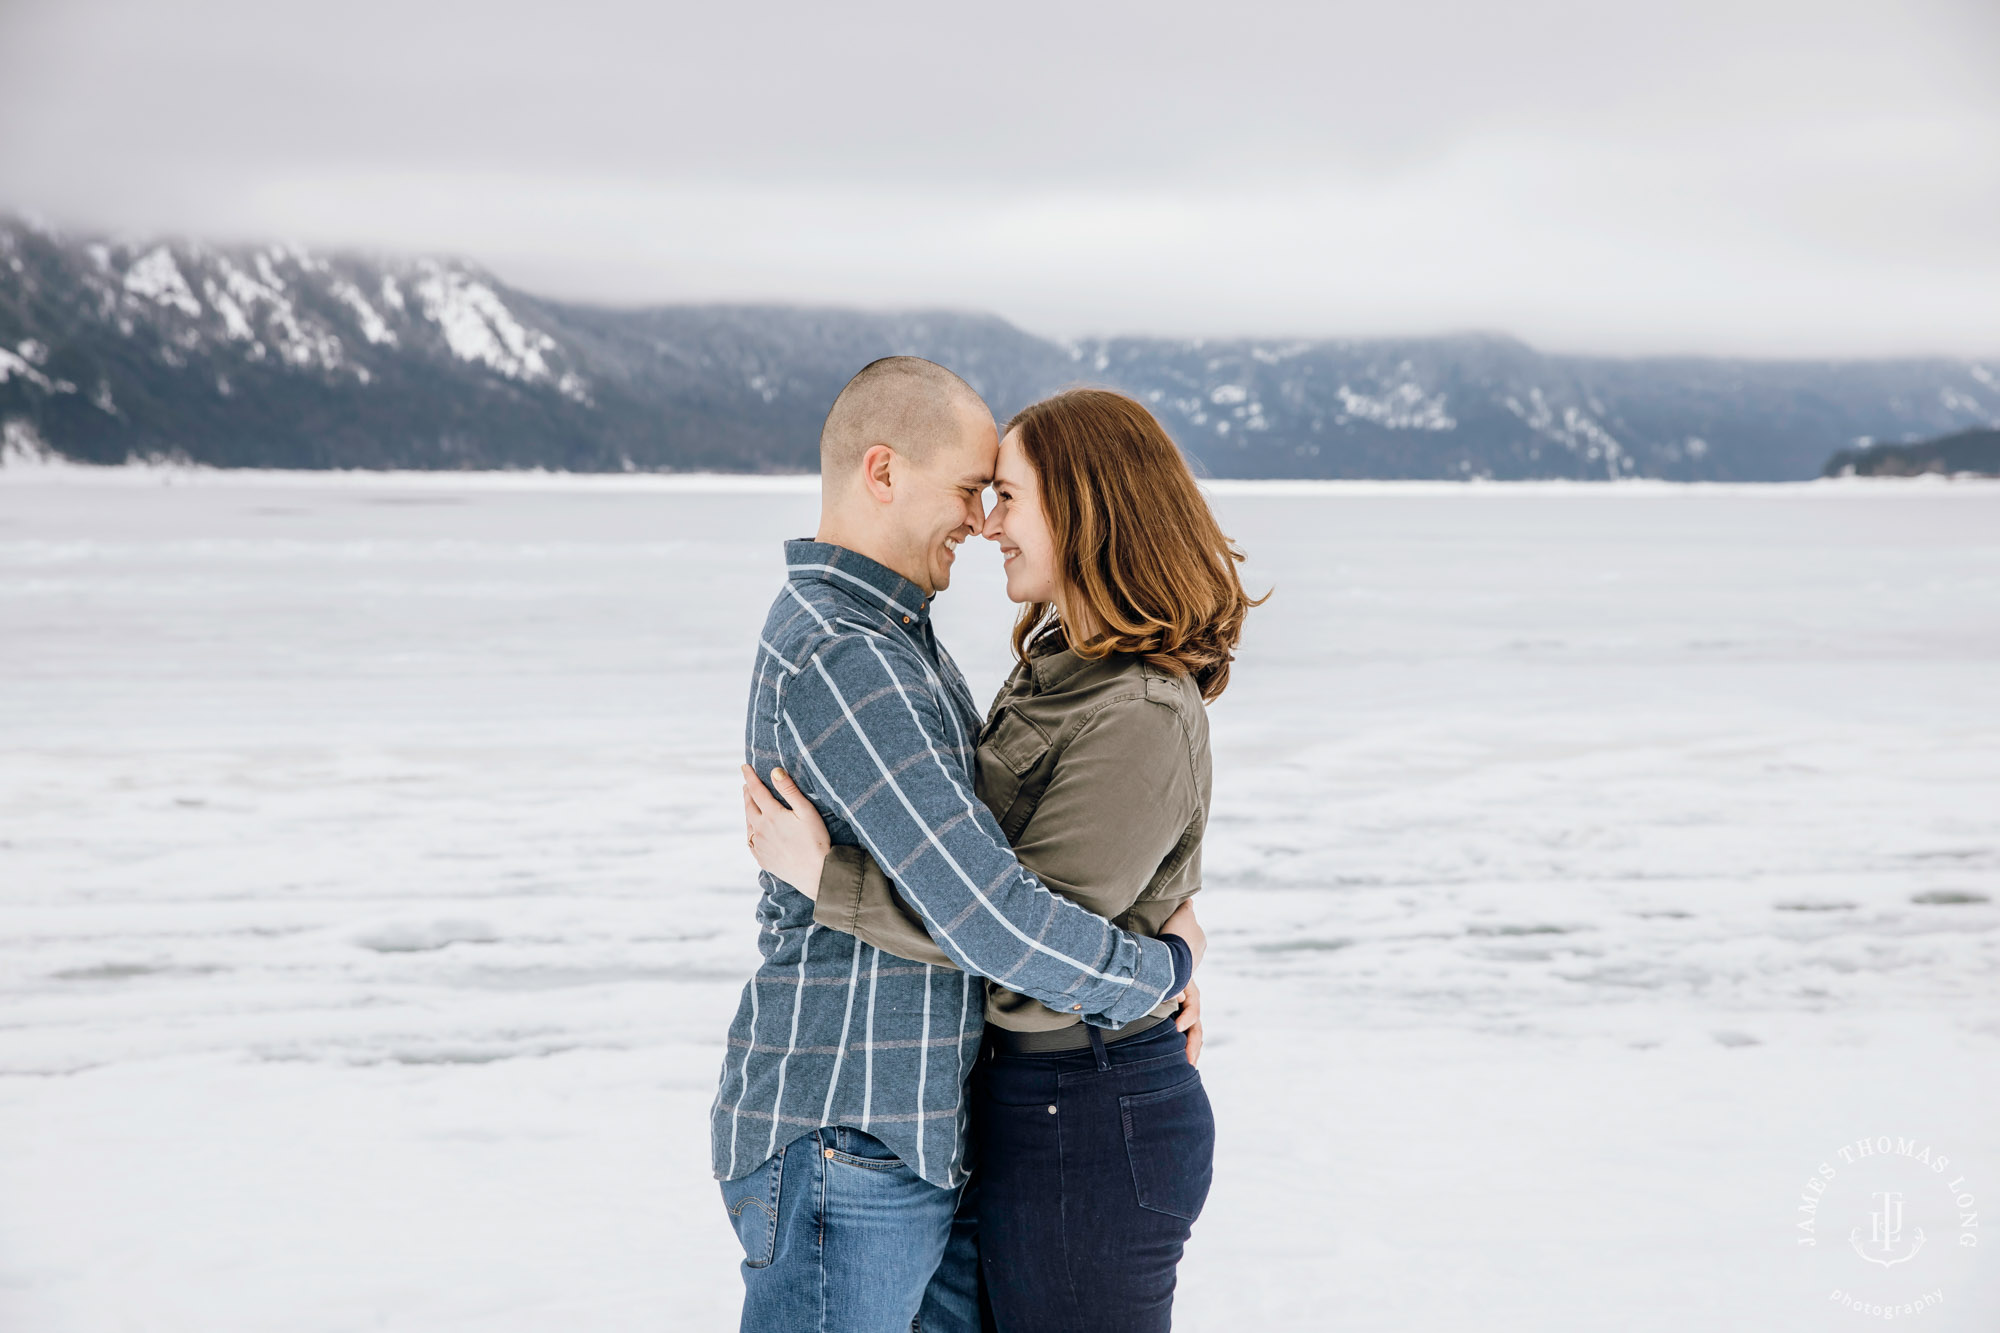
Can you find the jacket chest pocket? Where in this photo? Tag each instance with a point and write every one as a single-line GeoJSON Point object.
{"type": "Point", "coordinates": [1012, 769]}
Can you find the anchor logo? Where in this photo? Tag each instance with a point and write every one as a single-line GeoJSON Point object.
{"type": "Point", "coordinates": [1886, 1232]}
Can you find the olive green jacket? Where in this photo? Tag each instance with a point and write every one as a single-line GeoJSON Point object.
{"type": "Point", "coordinates": [1099, 775]}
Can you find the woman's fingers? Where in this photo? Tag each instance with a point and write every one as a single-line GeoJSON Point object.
{"type": "Point", "coordinates": [787, 788]}
{"type": "Point", "coordinates": [1190, 1013]}
{"type": "Point", "coordinates": [754, 823]}
{"type": "Point", "coordinates": [1188, 1020]}
{"type": "Point", "coordinates": [758, 810]}
{"type": "Point", "coordinates": [753, 815]}
{"type": "Point", "coordinates": [804, 816]}
{"type": "Point", "coordinates": [755, 794]}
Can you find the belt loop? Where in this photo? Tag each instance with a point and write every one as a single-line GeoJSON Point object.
{"type": "Point", "coordinates": [1097, 1048]}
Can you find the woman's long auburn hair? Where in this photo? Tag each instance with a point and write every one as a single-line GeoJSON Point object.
{"type": "Point", "coordinates": [1136, 547]}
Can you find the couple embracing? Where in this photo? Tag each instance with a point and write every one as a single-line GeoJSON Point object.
{"type": "Point", "coordinates": [959, 1091]}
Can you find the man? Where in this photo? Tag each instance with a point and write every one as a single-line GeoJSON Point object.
{"type": "Point", "coordinates": [839, 1126]}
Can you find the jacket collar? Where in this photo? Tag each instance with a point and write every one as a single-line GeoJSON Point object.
{"type": "Point", "coordinates": [1054, 670]}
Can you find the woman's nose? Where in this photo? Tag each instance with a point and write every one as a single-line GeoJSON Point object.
{"type": "Point", "coordinates": [991, 528]}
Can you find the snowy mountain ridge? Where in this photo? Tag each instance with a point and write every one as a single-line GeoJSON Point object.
{"type": "Point", "coordinates": [276, 355]}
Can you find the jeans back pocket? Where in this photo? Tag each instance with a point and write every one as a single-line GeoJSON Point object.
{"type": "Point", "coordinates": [1170, 1141]}
{"type": "Point", "coordinates": [753, 1209]}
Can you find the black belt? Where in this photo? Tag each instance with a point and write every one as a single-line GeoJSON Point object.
{"type": "Point", "coordinates": [1075, 1037]}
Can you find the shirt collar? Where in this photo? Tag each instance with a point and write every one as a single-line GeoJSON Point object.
{"type": "Point", "coordinates": [858, 576]}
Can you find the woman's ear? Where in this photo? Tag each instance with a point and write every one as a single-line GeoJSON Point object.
{"type": "Point", "coordinates": [878, 468]}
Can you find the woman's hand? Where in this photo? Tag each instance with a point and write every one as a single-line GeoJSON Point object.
{"type": "Point", "coordinates": [1188, 1020]}
{"type": "Point", "coordinates": [791, 844]}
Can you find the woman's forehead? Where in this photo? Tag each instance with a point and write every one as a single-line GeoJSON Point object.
{"type": "Point", "coordinates": [1012, 468]}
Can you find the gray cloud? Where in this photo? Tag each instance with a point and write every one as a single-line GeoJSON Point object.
{"type": "Point", "coordinates": [1764, 176]}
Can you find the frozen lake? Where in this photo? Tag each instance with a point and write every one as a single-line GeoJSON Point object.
{"type": "Point", "coordinates": [1588, 866]}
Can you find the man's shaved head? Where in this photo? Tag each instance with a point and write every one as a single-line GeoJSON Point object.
{"type": "Point", "coordinates": [910, 404]}
{"type": "Point", "coordinates": [904, 457]}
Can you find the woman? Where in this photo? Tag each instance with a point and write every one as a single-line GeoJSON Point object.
{"type": "Point", "coordinates": [1094, 1149]}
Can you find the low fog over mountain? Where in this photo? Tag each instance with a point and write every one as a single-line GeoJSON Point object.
{"type": "Point", "coordinates": [277, 357]}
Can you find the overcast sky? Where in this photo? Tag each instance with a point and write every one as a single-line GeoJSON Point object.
{"type": "Point", "coordinates": [1770, 177]}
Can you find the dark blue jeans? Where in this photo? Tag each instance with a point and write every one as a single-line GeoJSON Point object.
{"type": "Point", "coordinates": [1093, 1166]}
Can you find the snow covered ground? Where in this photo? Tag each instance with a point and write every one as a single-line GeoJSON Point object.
{"type": "Point", "coordinates": [1589, 865]}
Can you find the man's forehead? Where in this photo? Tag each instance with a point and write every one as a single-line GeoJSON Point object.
{"type": "Point", "coordinates": [976, 461]}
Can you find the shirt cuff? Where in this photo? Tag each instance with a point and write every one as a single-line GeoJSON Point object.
{"type": "Point", "coordinates": [1183, 958]}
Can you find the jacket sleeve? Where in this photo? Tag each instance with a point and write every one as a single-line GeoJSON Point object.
{"type": "Point", "coordinates": [869, 742]}
{"type": "Point", "coordinates": [855, 896]}
{"type": "Point", "coordinates": [1127, 768]}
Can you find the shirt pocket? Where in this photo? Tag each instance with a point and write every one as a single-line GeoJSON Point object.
{"type": "Point", "coordinates": [1011, 748]}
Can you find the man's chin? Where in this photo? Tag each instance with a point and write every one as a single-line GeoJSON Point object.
{"type": "Point", "coordinates": [941, 570]}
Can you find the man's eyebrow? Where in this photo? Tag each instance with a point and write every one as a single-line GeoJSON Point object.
{"type": "Point", "coordinates": [975, 479]}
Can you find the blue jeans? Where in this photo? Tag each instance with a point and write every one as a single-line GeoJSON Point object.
{"type": "Point", "coordinates": [1093, 1166]}
{"type": "Point", "coordinates": [839, 1236]}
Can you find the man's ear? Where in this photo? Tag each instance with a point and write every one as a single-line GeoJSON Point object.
{"type": "Point", "coordinates": [878, 469]}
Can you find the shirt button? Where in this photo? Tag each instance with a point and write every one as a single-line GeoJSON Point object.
{"type": "Point", "coordinates": [1076, 1008]}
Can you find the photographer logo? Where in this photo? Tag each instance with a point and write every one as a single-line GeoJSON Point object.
{"type": "Point", "coordinates": [1888, 1226]}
